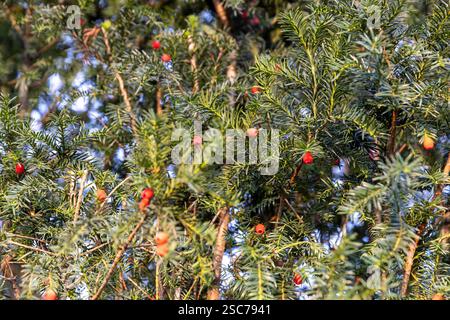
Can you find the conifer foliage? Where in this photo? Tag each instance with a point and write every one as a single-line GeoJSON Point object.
{"type": "Point", "coordinates": [93, 205]}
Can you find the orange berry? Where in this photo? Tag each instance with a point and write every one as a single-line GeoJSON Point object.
{"type": "Point", "coordinates": [161, 238]}
{"type": "Point", "coordinates": [148, 193]}
{"type": "Point", "coordinates": [162, 250]}
{"type": "Point", "coordinates": [143, 204]}
{"type": "Point", "coordinates": [50, 294]}
{"type": "Point", "coordinates": [428, 143]}
{"type": "Point", "coordinates": [166, 57]}
{"type": "Point", "coordinates": [260, 229]}
{"type": "Point", "coordinates": [438, 296]}
{"type": "Point", "coordinates": [101, 195]}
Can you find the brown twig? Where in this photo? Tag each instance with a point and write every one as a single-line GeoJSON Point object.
{"type": "Point", "coordinates": [114, 190]}
{"type": "Point", "coordinates": [446, 172]}
{"type": "Point", "coordinates": [299, 217]}
{"type": "Point", "coordinates": [410, 260]}
{"type": "Point", "coordinates": [80, 196]}
{"type": "Point", "coordinates": [119, 79]}
{"type": "Point", "coordinates": [31, 248]}
{"type": "Point", "coordinates": [94, 249]}
{"type": "Point", "coordinates": [13, 235]}
{"type": "Point", "coordinates": [119, 255]}
{"type": "Point", "coordinates": [193, 62]}
{"type": "Point", "coordinates": [139, 288]}
{"type": "Point", "coordinates": [159, 110]}
{"type": "Point", "coordinates": [295, 173]}
{"type": "Point", "coordinates": [9, 275]}
{"type": "Point", "coordinates": [393, 133]}
{"type": "Point", "coordinates": [412, 248]}
{"type": "Point", "coordinates": [219, 249]}
{"type": "Point", "coordinates": [221, 13]}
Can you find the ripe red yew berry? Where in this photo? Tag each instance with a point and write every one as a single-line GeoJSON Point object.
{"type": "Point", "coordinates": [308, 158]}
{"type": "Point", "coordinates": [298, 279]}
{"type": "Point", "coordinates": [144, 203]}
{"type": "Point", "coordinates": [244, 14]}
{"type": "Point", "coordinates": [166, 57]}
{"type": "Point", "coordinates": [20, 168]}
{"type": "Point", "coordinates": [162, 250]}
{"type": "Point", "coordinates": [428, 143]}
{"type": "Point", "coordinates": [255, 90]}
{"type": "Point", "coordinates": [101, 195]}
{"type": "Point", "coordinates": [50, 294]}
{"type": "Point", "coordinates": [260, 229]}
{"type": "Point", "coordinates": [148, 193]}
{"type": "Point", "coordinates": [161, 238]}
{"type": "Point", "coordinates": [156, 45]}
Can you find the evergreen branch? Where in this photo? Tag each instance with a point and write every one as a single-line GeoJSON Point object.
{"type": "Point", "coordinates": [31, 248]}
{"type": "Point", "coordinates": [119, 78]}
{"type": "Point", "coordinates": [119, 255]}
{"type": "Point", "coordinates": [139, 288]}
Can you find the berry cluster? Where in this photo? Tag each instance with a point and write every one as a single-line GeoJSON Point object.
{"type": "Point", "coordinates": [146, 197]}
{"type": "Point", "coordinates": [162, 243]}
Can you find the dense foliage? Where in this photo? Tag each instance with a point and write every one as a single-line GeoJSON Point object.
{"type": "Point", "coordinates": [358, 208]}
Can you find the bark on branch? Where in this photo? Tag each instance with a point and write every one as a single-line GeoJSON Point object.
{"type": "Point", "coordinates": [119, 255]}
{"type": "Point", "coordinates": [410, 260]}
{"type": "Point", "coordinates": [213, 292]}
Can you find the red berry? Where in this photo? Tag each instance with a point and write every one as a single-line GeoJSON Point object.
{"type": "Point", "coordinates": [298, 279]}
{"type": "Point", "coordinates": [156, 44]}
{"type": "Point", "coordinates": [255, 90]}
{"type": "Point", "coordinates": [101, 195]}
{"type": "Point", "coordinates": [50, 295]}
{"type": "Point", "coordinates": [148, 193]}
{"type": "Point", "coordinates": [161, 238]}
{"type": "Point", "coordinates": [308, 158]}
{"type": "Point", "coordinates": [20, 168]}
{"type": "Point", "coordinates": [166, 57]}
{"type": "Point", "coordinates": [260, 229]}
{"type": "Point", "coordinates": [244, 14]}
